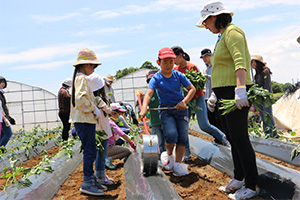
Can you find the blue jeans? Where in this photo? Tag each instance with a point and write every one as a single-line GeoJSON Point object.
{"type": "Point", "coordinates": [86, 133]}
{"type": "Point", "coordinates": [100, 160]}
{"type": "Point", "coordinates": [6, 133]}
{"type": "Point", "coordinates": [175, 124]}
{"type": "Point", "coordinates": [203, 121]}
{"type": "Point", "coordinates": [157, 130]}
{"type": "Point", "coordinates": [268, 128]}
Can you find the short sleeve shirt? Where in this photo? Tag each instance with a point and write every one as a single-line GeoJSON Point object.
{"type": "Point", "coordinates": [169, 89]}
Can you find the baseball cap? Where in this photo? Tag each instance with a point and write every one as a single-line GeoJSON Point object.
{"type": "Point", "coordinates": [205, 52]}
{"type": "Point", "coordinates": [117, 106]}
{"type": "Point", "coordinates": [166, 53]}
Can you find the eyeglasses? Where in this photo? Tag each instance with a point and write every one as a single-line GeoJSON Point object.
{"type": "Point", "coordinates": [204, 22]}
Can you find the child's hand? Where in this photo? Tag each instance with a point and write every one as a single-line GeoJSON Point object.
{"type": "Point", "coordinates": [181, 106]}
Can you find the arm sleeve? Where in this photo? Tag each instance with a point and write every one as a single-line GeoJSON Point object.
{"type": "Point", "coordinates": [83, 100]}
{"type": "Point", "coordinates": [116, 129]}
{"type": "Point", "coordinates": [236, 45]}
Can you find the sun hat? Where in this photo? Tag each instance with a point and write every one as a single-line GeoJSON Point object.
{"type": "Point", "coordinates": [110, 77]}
{"type": "Point", "coordinates": [96, 82]}
{"type": "Point", "coordinates": [87, 56]}
{"type": "Point", "coordinates": [117, 106]}
{"type": "Point", "coordinates": [166, 53]}
{"type": "Point", "coordinates": [205, 52]}
{"type": "Point", "coordinates": [67, 82]}
{"type": "Point", "coordinates": [212, 9]}
{"type": "Point", "coordinates": [2, 79]}
{"type": "Point", "coordinates": [259, 58]}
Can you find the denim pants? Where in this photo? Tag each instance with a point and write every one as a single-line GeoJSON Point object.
{"type": "Point", "coordinates": [157, 130]}
{"type": "Point", "coordinates": [268, 128]}
{"type": "Point", "coordinates": [86, 133]}
{"type": "Point", "coordinates": [100, 160]}
{"type": "Point", "coordinates": [203, 121]}
{"type": "Point", "coordinates": [175, 124]}
{"type": "Point", "coordinates": [6, 133]}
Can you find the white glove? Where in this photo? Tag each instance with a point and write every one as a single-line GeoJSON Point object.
{"type": "Point", "coordinates": [211, 102]}
{"type": "Point", "coordinates": [96, 112]}
{"type": "Point", "coordinates": [241, 98]}
{"type": "Point", "coordinates": [7, 123]}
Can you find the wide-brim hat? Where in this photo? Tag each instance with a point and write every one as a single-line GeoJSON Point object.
{"type": "Point", "coordinates": [258, 58]}
{"type": "Point", "coordinates": [87, 56]}
{"type": "Point", "coordinates": [67, 82]}
{"type": "Point", "coordinates": [109, 77]}
{"type": "Point", "coordinates": [96, 82]}
{"type": "Point", "coordinates": [212, 9]}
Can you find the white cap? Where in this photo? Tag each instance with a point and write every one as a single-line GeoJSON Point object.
{"type": "Point", "coordinates": [68, 82]}
{"type": "Point", "coordinates": [212, 9]}
{"type": "Point", "coordinates": [96, 82]}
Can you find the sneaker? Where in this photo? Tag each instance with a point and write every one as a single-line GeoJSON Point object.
{"type": "Point", "coordinates": [108, 164]}
{"type": "Point", "coordinates": [234, 185]}
{"type": "Point", "coordinates": [169, 165]}
{"type": "Point", "coordinates": [89, 187]}
{"type": "Point", "coordinates": [105, 181]}
{"type": "Point", "coordinates": [180, 169]}
{"type": "Point", "coordinates": [99, 185]}
{"type": "Point", "coordinates": [225, 142]}
{"type": "Point", "coordinates": [246, 193]}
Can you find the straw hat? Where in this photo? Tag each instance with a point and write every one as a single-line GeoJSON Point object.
{"type": "Point", "coordinates": [86, 56]}
{"type": "Point", "coordinates": [110, 77]}
{"type": "Point", "coordinates": [259, 58]}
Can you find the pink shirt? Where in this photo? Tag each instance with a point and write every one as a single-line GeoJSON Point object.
{"type": "Point", "coordinates": [115, 131]}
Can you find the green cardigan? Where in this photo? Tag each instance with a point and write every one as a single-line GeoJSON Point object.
{"type": "Point", "coordinates": [231, 54]}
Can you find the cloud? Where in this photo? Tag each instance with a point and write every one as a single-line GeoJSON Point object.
{"type": "Point", "coordinates": [280, 51]}
{"type": "Point", "coordinates": [57, 64]}
{"type": "Point", "coordinates": [46, 53]}
{"type": "Point", "coordinates": [43, 18]}
{"type": "Point", "coordinates": [50, 65]}
{"type": "Point", "coordinates": [106, 31]}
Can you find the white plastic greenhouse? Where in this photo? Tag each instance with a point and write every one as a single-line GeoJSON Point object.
{"type": "Point", "coordinates": [31, 106]}
{"type": "Point", "coordinates": [125, 87]}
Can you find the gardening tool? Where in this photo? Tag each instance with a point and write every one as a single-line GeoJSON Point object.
{"type": "Point", "coordinates": [150, 148]}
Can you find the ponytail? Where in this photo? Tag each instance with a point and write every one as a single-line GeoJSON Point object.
{"type": "Point", "coordinates": [73, 84]}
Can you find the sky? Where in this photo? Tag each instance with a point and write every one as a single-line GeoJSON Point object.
{"type": "Point", "coordinates": [40, 40]}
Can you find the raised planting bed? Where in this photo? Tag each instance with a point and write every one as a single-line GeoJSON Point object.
{"type": "Point", "coordinates": [275, 181]}
{"type": "Point", "coordinates": [46, 185]}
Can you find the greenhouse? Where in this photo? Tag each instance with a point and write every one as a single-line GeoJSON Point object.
{"type": "Point", "coordinates": [31, 106]}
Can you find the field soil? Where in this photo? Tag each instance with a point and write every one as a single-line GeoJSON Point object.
{"type": "Point", "coordinates": [202, 182]}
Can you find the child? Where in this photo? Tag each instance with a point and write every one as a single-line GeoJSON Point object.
{"type": "Point", "coordinates": [97, 85]}
{"type": "Point", "coordinates": [1, 118]}
{"type": "Point", "coordinates": [84, 113]}
{"type": "Point", "coordinates": [167, 82]}
{"type": "Point", "coordinates": [115, 151]}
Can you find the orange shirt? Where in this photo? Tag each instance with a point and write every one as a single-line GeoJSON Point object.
{"type": "Point", "coordinates": [186, 69]}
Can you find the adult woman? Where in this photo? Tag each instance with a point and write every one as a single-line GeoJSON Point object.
{"type": "Point", "coordinates": [64, 105]}
{"type": "Point", "coordinates": [230, 80]}
{"type": "Point", "coordinates": [262, 78]}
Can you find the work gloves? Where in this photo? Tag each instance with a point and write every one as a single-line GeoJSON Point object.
{"type": "Point", "coordinates": [131, 143]}
{"type": "Point", "coordinates": [211, 102]}
{"type": "Point", "coordinates": [241, 98]}
{"type": "Point", "coordinates": [96, 112]}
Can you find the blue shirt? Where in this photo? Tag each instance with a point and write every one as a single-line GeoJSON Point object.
{"type": "Point", "coordinates": [169, 89]}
